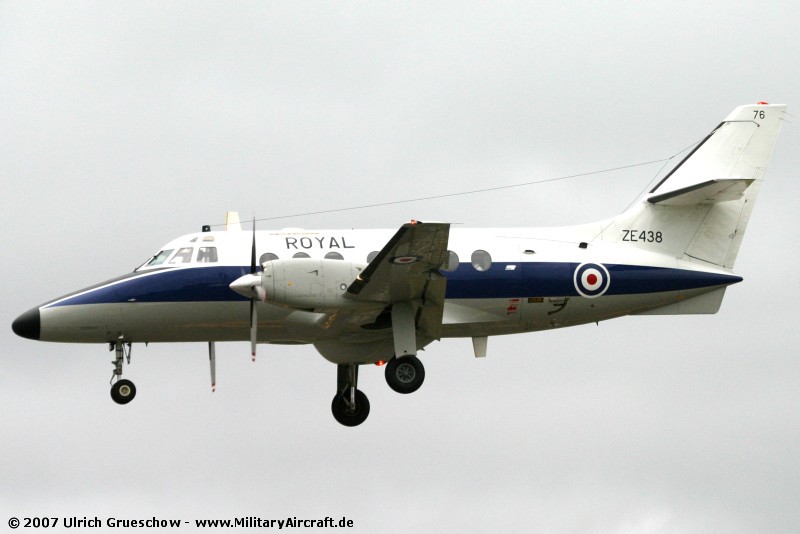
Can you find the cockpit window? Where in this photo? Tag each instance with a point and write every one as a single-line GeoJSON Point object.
{"type": "Point", "coordinates": [207, 255]}
{"type": "Point", "coordinates": [161, 257]}
{"type": "Point", "coordinates": [184, 255]}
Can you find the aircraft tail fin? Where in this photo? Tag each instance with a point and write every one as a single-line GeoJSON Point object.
{"type": "Point", "coordinates": [700, 210]}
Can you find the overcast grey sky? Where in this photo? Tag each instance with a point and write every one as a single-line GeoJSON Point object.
{"type": "Point", "coordinates": [126, 124]}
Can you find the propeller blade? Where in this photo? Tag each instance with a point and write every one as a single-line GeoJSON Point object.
{"type": "Point", "coordinates": [253, 311]}
{"type": "Point", "coordinates": [253, 250]}
{"type": "Point", "coordinates": [212, 360]}
{"type": "Point", "coordinates": [253, 328]}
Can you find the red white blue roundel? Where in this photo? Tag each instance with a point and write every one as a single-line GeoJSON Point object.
{"type": "Point", "coordinates": [591, 279]}
{"type": "Point", "coordinates": [405, 260]}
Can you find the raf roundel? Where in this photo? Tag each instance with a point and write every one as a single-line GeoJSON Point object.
{"type": "Point", "coordinates": [591, 279]}
{"type": "Point", "coordinates": [404, 260]}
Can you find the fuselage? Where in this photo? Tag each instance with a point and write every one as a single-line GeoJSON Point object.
{"type": "Point", "coordinates": [499, 281]}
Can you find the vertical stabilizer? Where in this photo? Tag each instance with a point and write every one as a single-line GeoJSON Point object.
{"type": "Point", "coordinates": [700, 210]}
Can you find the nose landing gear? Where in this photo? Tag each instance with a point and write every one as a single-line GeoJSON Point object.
{"type": "Point", "coordinates": [122, 391]}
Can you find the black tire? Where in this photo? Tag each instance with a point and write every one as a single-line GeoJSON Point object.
{"type": "Point", "coordinates": [123, 391]}
{"type": "Point", "coordinates": [347, 417]}
{"type": "Point", "coordinates": [405, 374]}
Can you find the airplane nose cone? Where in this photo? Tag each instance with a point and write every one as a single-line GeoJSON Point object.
{"type": "Point", "coordinates": [28, 325]}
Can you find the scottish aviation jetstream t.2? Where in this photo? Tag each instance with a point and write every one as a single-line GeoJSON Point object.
{"type": "Point", "coordinates": [373, 296]}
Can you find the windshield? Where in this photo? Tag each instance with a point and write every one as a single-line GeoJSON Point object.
{"type": "Point", "coordinates": [183, 255]}
{"type": "Point", "coordinates": [161, 257]}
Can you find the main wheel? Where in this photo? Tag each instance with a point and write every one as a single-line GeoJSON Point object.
{"type": "Point", "coordinates": [347, 415]}
{"type": "Point", "coordinates": [123, 391]}
{"type": "Point", "coordinates": [405, 374]}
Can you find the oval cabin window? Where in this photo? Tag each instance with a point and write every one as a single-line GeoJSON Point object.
{"type": "Point", "coordinates": [481, 260]}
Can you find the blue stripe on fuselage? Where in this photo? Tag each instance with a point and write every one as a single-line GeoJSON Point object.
{"type": "Point", "coordinates": [550, 279]}
{"type": "Point", "coordinates": [529, 279]}
{"type": "Point", "coordinates": [201, 284]}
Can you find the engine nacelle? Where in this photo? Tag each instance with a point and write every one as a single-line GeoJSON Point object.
{"type": "Point", "coordinates": [309, 284]}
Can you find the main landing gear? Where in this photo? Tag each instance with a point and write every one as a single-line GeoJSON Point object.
{"type": "Point", "coordinates": [405, 374]}
{"type": "Point", "coordinates": [122, 391]}
{"type": "Point", "coordinates": [350, 405]}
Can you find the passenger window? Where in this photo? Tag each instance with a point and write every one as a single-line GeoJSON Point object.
{"type": "Point", "coordinates": [481, 260]}
{"type": "Point", "coordinates": [301, 255]}
{"type": "Point", "coordinates": [371, 256]}
{"type": "Point", "coordinates": [333, 256]}
{"type": "Point", "coordinates": [184, 255]}
{"type": "Point", "coordinates": [161, 257]}
{"type": "Point", "coordinates": [267, 256]}
{"type": "Point", "coordinates": [207, 255]}
{"type": "Point", "coordinates": [452, 261]}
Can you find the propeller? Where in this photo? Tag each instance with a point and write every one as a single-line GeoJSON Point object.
{"type": "Point", "coordinates": [249, 286]}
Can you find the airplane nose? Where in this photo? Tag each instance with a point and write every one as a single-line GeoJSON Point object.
{"type": "Point", "coordinates": [28, 325]}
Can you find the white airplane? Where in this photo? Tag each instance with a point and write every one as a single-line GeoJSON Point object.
{"type": "Point", "coordinates": [378, 296]}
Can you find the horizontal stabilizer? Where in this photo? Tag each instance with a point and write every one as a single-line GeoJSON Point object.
{"type": "Point", "coordinates": [709, 192]}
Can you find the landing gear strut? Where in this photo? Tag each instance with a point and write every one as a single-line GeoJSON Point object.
{"type": "Point", "coordinates": [122, 391]}
{"type": "Point", "coordinates": [350, 406]}
{"type": "Point", "coordinates": [405, 374]}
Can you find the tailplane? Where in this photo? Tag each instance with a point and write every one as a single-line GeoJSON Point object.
{"type": "Point", "coordinates": [700, 210]}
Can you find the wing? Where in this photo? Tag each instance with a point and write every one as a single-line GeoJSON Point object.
{"type": "Point", "coordinates": [399, 272]}
{"type": "Point", "coordinates": [406, 270]}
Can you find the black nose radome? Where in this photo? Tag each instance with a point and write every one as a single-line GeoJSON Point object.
{"type": "Point", "coordinates": [28, 324]}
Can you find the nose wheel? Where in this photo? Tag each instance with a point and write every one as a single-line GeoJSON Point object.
{"type": "Point", "coordinates": [123, 391]}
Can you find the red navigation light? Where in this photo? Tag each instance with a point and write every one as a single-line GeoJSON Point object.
{"type": "Point", "coordinates": [763, 103]}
